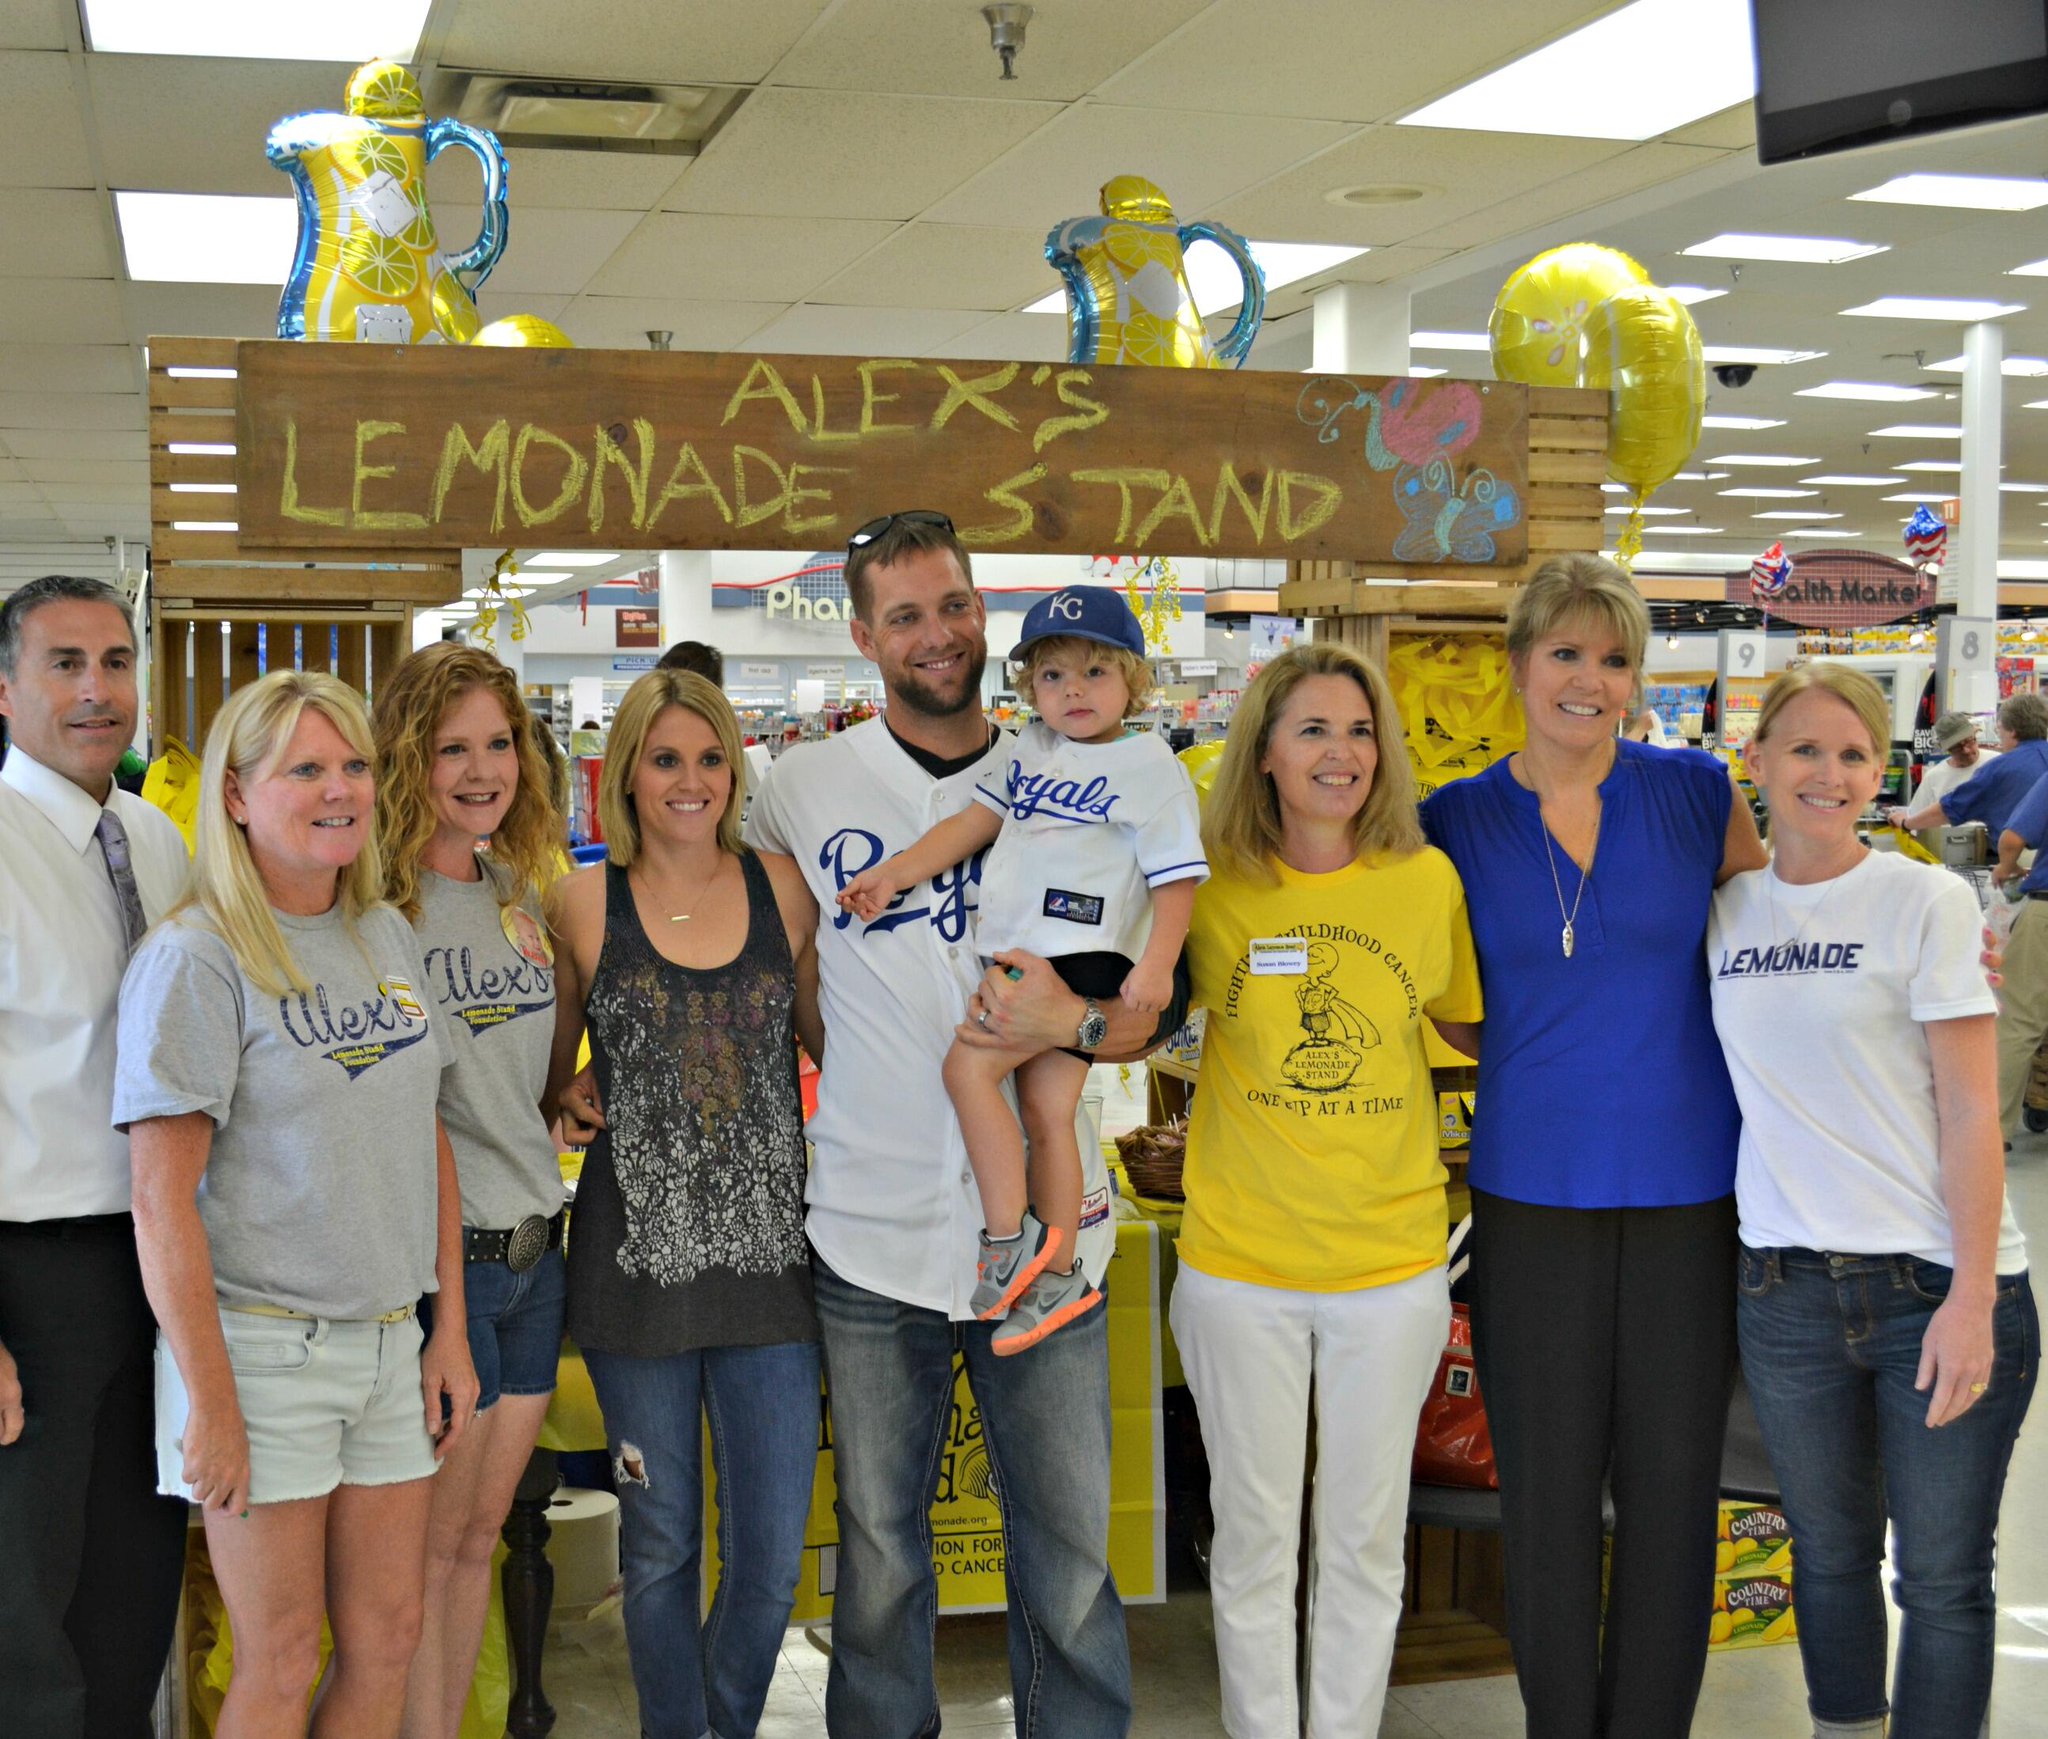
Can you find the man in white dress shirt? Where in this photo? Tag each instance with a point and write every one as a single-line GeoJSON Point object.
{"type": "Point", "coordinates": [90, 1557]}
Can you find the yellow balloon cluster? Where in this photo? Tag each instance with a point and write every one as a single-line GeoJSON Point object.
{"type": "Point", "coordinates": [1585, 315]}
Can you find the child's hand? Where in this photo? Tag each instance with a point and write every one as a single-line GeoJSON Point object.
{"type": "Point", "coordinates": [870, 893]}
{"type": "Point", "coordinates": [1148, 989]}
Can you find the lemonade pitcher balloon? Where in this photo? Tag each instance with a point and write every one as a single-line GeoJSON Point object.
{"type": "Point", "coordinates": [369, 267]}
{"type": "Point", "coordinates": [1128, 295]}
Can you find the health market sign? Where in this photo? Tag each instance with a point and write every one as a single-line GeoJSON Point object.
{"type": "Point", "coordinates": [373, 446]}
{"type": "Point", "coordinates": [1842, 589]}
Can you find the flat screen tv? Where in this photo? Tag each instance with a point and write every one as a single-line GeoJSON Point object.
{"type": "Point", "coordinates": [1836, 74]}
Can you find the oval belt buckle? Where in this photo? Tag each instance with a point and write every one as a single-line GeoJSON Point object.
{"type": "Point", "coordinates": [527, 1243]}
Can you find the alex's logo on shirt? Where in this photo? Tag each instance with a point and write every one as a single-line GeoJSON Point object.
{"type": "Point", "coordinates": [1788, 959]}
{"type": "Point", "coordinates": [853, 849]}
{"type": "Point", "coordinates": [1031, 792]}
{"type": "Point", "coordinates": [351, 1035]}
{"type": "Point", "coordinates": [482, 997]}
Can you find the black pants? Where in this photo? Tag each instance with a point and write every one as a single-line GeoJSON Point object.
{"type": "Point", "coordinates": [90, 1557]}
{"type": "Point", "coordinates": [1605, 1343]}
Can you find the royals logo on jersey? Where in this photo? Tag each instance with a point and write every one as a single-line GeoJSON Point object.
{"type": "Point", "coordinates": [945, 901]}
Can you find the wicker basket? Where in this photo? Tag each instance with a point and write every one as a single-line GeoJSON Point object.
{"type": "Point", "coordinates": [1153, 1156]}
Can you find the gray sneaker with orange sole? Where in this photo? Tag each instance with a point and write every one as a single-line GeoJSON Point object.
{"type": "Point", "coordinates": [1049, 1302]}
{"type": "Point", "coordinates": [1007, 1265]}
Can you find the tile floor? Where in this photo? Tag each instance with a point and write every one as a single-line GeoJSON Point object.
{"type": "Point", "coordinates": [1756, 1694]}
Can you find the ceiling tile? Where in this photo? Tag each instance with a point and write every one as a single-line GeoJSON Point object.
{"type": "Point", "coordinates": [120, 474]}
{"type": "Point", "coordinates": [809, 330]}
{"type": "Point", "coordinates": [53, 232]}
{"type": "Point", "coordinates": [1634, 169]}
{"type": "Point", "coordinates": [568, 180]}
{"type": "Point", "coordinates": [1200, 160]}
{"type": "Point", "coordinates": [1354, 62]}
{"type": "Point", "coordinates": [72, 410]}
{"type": "Point", "coordinates": [1010, 338]}
{"type": "Point", "coordinates": [16, 494]}
{"type": "Point", "coordinates": [1732, 129]}
{"type": "Point", "coordinates": [791, 153]}
{"type": "Point", "coordinates": [68, 368]}
{"type": "Point", "coordinates": [936, 265]}
{"type": "Point", "coordinates": [735, 259]}
{"type": "Point", "coordinates": [189, 124]}
{"type": "Point", "coordinates": [77, 443]}
{"type": "Point", "coordinates": [78, 497]}
{"type": "Point", "coordinates": [941, 47]}
{"type": "Point", "coordinates": [61, 310]}
{"type": "Point", "coordinates": [47, 24]}
{"type": "Point", "coordinates": [494, 304]}
{"type": "Point", "coordinates": [674, 42]}
{"type": "Point", "coordinates": [557, 252]}
{"type": "Point", "coordinates": [623, 322]}
{"type": "Point", "coordinates": [200, 310]}
{"type": "Point", "coordinates": [42, 137]}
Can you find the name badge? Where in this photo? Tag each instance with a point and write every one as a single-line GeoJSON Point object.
{"type": "Point", "coordinates": [1279, 957]}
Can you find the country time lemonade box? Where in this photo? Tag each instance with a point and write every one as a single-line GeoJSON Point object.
{"type": "Point", "coordinates": [1753, 1579]}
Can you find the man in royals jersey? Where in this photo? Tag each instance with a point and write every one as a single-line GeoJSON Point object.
{"type": "Point", "coordinates": [894, 1216]}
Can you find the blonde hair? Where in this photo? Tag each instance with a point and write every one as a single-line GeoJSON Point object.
{"type": "Point", "coordinates": [249, 734]}
{"type": "Point", "coordinates": [1135, 670]}
{"type": "Point", "coordinates": [1241, 824]}
{"type": "Point", "coordinates": [645, 702]}
{"type": "Point", "coordinates": [1851, 687]}
{"type": "Point", "coordinates": [1583, 587]}
{"type": "Point", "coordinates": [411, 703]}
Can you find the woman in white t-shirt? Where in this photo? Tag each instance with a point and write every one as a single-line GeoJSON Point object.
{"type": "Point", "coordinates": [1888, 1331]}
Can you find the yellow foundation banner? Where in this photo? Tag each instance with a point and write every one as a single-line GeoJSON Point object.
{"type": "Point", "coordinates": [967, 1527]}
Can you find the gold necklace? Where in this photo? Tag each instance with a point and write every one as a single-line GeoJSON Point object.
{"type": "Point", "coordinates": [697, 899]}
{"type": "Point", "coordinates": [1571, 919]}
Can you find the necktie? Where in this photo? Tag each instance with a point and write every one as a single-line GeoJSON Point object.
{"type": "Point", "coordinates": [113, 838]}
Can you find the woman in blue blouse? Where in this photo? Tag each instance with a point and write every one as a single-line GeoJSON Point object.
{"type": "Point", "coordinates": [1603, 1163]}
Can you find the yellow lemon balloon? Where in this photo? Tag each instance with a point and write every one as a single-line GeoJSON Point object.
{"type": "Point", "coordinates": [1201, 762]}
{"type": "Point", "coordinates": [1658, 385]}
{"type": "Point", "coordinates": [525, 332]}
{"type": "Point", "coordinates": [1543, 330]}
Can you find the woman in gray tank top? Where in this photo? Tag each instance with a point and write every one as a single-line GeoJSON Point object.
{"type": "Point", "coordinates": [470, 837]}
{"type": "Point", "coordinates": [689, 1279]}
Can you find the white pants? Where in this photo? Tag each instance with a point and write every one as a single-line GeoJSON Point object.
{"type": "Point", "coordinates": [1251, 1353]}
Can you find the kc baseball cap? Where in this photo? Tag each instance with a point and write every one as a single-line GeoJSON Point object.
{"type": "Point", "coordinates": [1951, 728]}
{"type": "Point", "coordinates": [1084, 613]}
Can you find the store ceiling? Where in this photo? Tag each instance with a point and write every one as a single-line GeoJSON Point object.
{"type": "Point", "coordinates": [876, 189]}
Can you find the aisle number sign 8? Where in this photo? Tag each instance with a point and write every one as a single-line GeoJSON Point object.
{"type": "Point", "coordinates": [1965, 651]}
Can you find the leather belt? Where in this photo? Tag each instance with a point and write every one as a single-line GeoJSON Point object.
{"type": "Point", "coordinates": [399, 1315]}
{"type": "Point", "coordinates": [520, 1247]}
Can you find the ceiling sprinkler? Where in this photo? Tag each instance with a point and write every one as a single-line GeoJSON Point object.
{"type": "Point", "coordinates": [657, 340]}
{"type": "Point", "coordinates": [1006, 22]}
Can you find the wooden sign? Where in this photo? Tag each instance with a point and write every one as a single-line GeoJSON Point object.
{"type": "Point", "coordinates": [372, 445]}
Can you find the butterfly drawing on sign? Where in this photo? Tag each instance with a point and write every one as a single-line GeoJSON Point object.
{"type": "Point", "coordinates": [1408, 422]}
{"type": "Point", "coordinates": [1450, 520]}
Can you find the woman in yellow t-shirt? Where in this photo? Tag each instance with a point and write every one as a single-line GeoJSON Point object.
{"type": "Point", "coordinates": [1312, 1250]}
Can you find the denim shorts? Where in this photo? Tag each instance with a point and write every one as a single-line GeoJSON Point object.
{"type": "Point", "coordinates": [515, 1325]}
{"type": "Point", "coordinates": [327, 1402]}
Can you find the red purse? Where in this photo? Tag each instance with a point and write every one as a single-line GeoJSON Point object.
{"type": "Point", "coordinates": [1453, 1445]}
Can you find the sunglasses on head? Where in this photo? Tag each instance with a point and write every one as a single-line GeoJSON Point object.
{"type": "Point", "coordinates": [876, 527]}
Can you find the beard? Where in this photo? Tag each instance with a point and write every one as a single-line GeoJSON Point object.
{"type": "Point", "coordinates": [911, 690]}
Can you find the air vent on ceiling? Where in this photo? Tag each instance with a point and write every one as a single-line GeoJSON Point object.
{"type": "Point", "coordinates": [581, 115]}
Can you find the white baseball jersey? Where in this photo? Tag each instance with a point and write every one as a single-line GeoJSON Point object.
{"type": "Point", "coordinates": [1089, 829]}
{"type": "Point", "coordinates": [893, 1207]}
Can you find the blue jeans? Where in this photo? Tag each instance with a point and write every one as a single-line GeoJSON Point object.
{"type": "Point", "coordinates": [1045, 1419]}
{"type": "Point", "coordinates": [763, 1406]}
{"type": "Point", "coordinates": [1831, 1347]}
{"type": "Point", "coordinates": [515, 1325]}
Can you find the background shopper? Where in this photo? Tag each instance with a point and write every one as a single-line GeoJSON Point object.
{"type": "Point", "coordinates": [1890, 1385]}
{"type": "Point", "coordinates": [691, 959]}
{"type": "Point", "coordinates": [1602, 1164]}
{"type": "Point", "coordinates": [92, 1559]}
{"type": "Point", "coordinates": [1312, 1254]}
{"type": "Point", "coordinates": [294, 1195]}
{"type": "Point", "coordinates": [469, 839]}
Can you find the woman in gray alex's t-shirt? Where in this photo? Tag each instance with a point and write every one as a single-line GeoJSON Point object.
{"type": "Point", "coordinates": [294, 1197]}
{"type": "Point", "coordinates": [470, 836]}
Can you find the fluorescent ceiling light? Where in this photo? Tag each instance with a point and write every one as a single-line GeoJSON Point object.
{"type": "Point", "coordinates": [1449, 341]}
{"type": "Point", "coordinates": [1690, 531]}
{"type": "Point", "coordinates": [1934, 308]}
{"type": "Point", "coordinates": [1757, 354]}
{"type": "Point", "coordinates": [1922, 431]}
{"type": "Point", "coordinates": [1742, 422]}
{"type": "Point", "coordinates": [1763, 459]}
{"type": "Point", "coordinates": [1961, 192]}
{"type": "Point", "coordinates": [2024, 488]}
{"type": "Point", "coordinates": [1218, 286]}
{"type": "Point", "coordinates": [2032, 269]}
{"type": "Point", "coordinates": [207, 238]}
{"type": "Point", "coordinates": [1800, 250]}
{"type": "Point", "coordinates": [258, 29]}
{"type": "Point", "coordinates": [2014, 365]}
{"type": "Point", "coordinates": [203, 525]}
{"type": "Point", "coordinates": [1873, 391]}
{"type": "Point", "coordinates": [1695, 477]}
{"type": "Point", "coordinates": [1614, 488]}
{"type": "Point", "coordinates": [1415, 372]}
{"type": "Point", "coordinates": [1851, 480]}
{"type": "Point", "coordinates": [1652, 512]}
{"type": "Point", "coordinates": [1691, 293]}
{"type": "Point", "coordinates": [2023, 570]}
{"type": "Point", "coordinates": [1933, 465]}
{"type": "Point", "coordinates": [574, 558]}
{"type": "Point", "coordinates": [1919, 497]}
{"type": "Point", "coordinates": [1772, 494]}
{"type": "Point", "coordinates": [1815, 531]}
{"type": "Point", "coordinates": [1797, 513]}
{"type": "Point", "coordinates": [1591, 84]}
{"type": "Point", "coordinates": [202, 489]}
{"type": "Point", "coordinates": [201, 373]}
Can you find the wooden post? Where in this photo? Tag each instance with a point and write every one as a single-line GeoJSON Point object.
{"type": "Point", "coordinates": [528, 1580]}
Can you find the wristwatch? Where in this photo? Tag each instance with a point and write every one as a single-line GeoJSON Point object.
{"type": "Point", "coordinates": [1094, 1027]}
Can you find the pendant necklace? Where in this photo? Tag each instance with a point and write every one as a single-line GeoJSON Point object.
{"type": "Point", "coordinates": [1570, 935]}
{"type": "Point", "coordinates": [1812, 917]}
{"type": "Point", "coordinates": [697, 899]}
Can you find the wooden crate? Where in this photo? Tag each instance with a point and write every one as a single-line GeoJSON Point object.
{"type": "Point", "coordinates": [1351, 601]}
{"type": "Point", "coordinates": [223, 612]}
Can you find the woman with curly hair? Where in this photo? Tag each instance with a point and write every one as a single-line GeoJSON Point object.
{"type": "Point", "coordinates": [471, 838]}
{"type": "Point", "coordinates": [693, 960]}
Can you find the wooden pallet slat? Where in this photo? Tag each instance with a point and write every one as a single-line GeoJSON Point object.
{"type": "Point", "coordinates": [178, 352]}
{"type": "Point", "coordinates": [207, 426]}
{"type": "Point", "coordinates": [177, 392]}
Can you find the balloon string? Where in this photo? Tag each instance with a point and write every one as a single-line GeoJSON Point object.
{"type": "Point", "coordinates": [1631, 544]}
